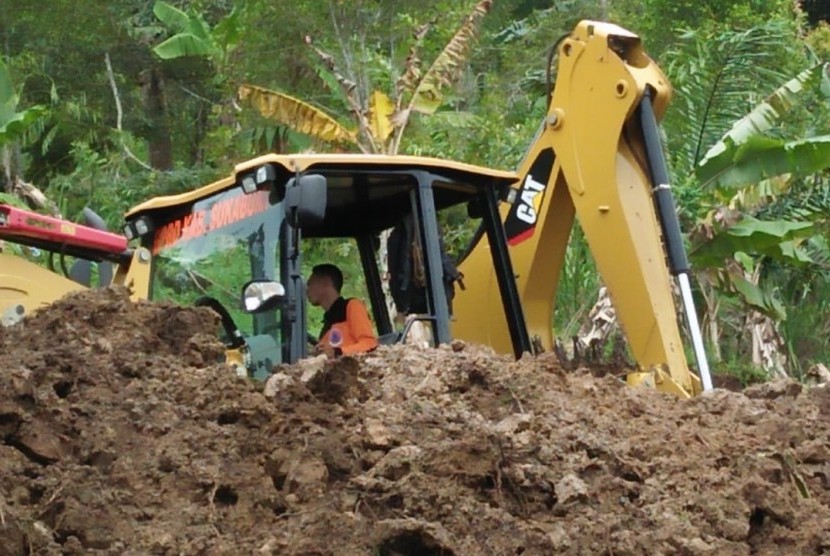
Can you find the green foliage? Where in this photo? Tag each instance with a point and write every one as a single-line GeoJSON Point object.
{"type": "Point", "coordinates": [14, 124]}
{"type": "Point", "coordinates": [110, 185]}
{"type": "Point", "coordinates": [807, 329]}
{"type": "Point", "coordinates": [759, 298]}
{"type": "Point", "coordinates": [746, 373]}
{"type": "Point", "coordinates": [662, 22]}
{"type": "Point", "coordinates": [381, 119]}
{"type": "Point", "coordinates": [756, 237]}
{"type": "Point", "coordinates": [716, 74]}
{"type": "Point", "coordinates": [760, 158]}
{"type": "Point", "coordinates": [748, 122]}
{"type": "Point", "coordinates": [7, 199]}
{"type": "Point", "coordinates": [194, 37]}
{"type": "Point", "coordinates": [578, 287]}
{"type": "Point", "coordinates": [766, 115]}
{"type": "Point", "coordinates": [818, 41]}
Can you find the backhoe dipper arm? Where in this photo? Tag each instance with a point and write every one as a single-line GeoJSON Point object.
{"type": "Point", "coordinates": [589, 161]}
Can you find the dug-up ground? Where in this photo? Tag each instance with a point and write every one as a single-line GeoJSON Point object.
{"type": "Point", "coordinates": [123, 434]}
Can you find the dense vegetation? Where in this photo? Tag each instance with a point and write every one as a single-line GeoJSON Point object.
{"type": "Point", "coordinates": [117, 102]}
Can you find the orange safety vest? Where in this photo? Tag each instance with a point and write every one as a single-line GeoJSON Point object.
{"type": "Point", "coordinates": [348, 328]}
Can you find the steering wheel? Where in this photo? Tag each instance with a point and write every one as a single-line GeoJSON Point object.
{"type": "Point", "coordinates": [235, 338]}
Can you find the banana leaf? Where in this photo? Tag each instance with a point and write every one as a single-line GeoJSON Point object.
{"type": "Point", "coordinates": [448, 66]}
{"type": "Point", "coordinates": [172, 17]}
{"type": "Point", "coordinates": [14, 124]}
{"type": "Point", "coordinates": [778, 239]}
{"type": "Point", "coordinates": [381, 108]}
{"type": "Point", "coordinates": [760, 158]}
{"type": "Point", "coordinates": [765, 301]}
{"type": "Point", "coordinates": [766, 114]}
{"type": "Point", "coordinates": [183, 44]}
{"type": "Point", "coordinates": [296, 114]}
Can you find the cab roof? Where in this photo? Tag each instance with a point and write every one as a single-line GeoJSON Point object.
{"type": "Point", "coordinates": [366, 192]}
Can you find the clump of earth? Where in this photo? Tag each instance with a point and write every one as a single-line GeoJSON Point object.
{"type": "Point", "coordinates": [123, 433]}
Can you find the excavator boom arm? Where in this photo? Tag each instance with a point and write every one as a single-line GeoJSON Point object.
{"type": "Point", "coordinates": [589, 161]}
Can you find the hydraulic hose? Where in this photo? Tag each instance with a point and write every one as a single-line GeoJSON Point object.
{"type": "Point", "coordinates": [667, 215]}
{"type": "Point", "coordinates": [234, 336]}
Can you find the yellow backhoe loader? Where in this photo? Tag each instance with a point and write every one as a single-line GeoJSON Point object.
{"type": "Point", "coordinates": [597, 157]}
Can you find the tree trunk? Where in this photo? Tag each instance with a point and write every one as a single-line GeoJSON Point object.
{"type": "Point", "coordinates": [6, 163]}
{"type": "Point", "coordinates": [12, 164]}
{"type": "Point", "coordinates": [159, 142]}
{"type": "Point", "coordinates": [767, 345]}
{"type": "Point", "coordinates": [197, 150]}
{"type": "Point", "coordinates": [602, 321]}
{"type": "Point", "coordinates": [383, 260]}
{"type": "Point", "coordinates": [710, 316]}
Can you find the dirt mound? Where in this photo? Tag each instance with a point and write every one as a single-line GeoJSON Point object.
{"type": "Point", "coordinates": [122, 434]}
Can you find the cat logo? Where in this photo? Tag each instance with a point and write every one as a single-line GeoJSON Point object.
{"type": "Point", "coordinates": [521, 220]}
{"type": "Point", "coordinates": [529, 200]}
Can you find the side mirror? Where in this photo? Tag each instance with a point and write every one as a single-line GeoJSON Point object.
{"type": "Point", "coordinates": [262, 295]}
{"type": "Point", "coordinates": [305, 200]}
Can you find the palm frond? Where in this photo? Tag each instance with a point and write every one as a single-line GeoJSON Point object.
{"type": "Point", "coordinates": [810, 204]}
{"type": "Point", "coordinates": [718, 77]}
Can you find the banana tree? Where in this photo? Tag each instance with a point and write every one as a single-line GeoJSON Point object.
{"type": "Point", "coordinates": [15, 128]}
{"type": "Point", "coordinates": [190, 36]}
{"type": "Point", "coordinates": [194, 37]}
{"type": "Point", "coordinates": [379, 120]}
{"type": "Point", "coordinates": [747, 170]}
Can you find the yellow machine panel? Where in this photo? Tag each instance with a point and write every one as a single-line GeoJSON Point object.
{"type": "Point", "coordinates": [26, 286]}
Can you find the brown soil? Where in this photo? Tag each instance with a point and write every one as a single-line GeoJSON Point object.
{"type": "Point", "coordinates": [121, 434]}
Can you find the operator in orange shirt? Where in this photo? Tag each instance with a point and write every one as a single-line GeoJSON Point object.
{"type": "Point", "coordinates": [346, 325]}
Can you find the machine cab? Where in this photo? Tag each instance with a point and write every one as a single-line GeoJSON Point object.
{"type": "Point", "coordinates": [209, 243]}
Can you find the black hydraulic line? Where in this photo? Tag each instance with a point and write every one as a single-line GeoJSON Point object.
{"type": "Point", "coordinates": [548, 79]}
{"type": "Point", "coordinates": [667, 215]}
{"type": "Point", "coordinates": [234, 335]}
{"type": "Point", "coordinates": [666, 211]}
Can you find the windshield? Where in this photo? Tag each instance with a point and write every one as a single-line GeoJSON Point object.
{"type": "Point", "coordinates": [214, 248]}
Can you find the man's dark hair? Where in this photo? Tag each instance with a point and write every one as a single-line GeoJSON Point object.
{"type": "Point", "coordinates": [330, 271]}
